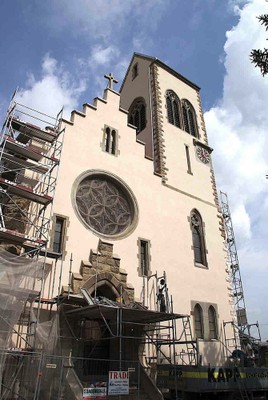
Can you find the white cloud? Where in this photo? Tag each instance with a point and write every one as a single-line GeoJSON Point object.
{"type": "Point", "coordinates": [107, 30]}
{"type": "Point", "coordinates": [241, 220]}
{"type": "Point", "coordinates": [55, 89]}
{"type": "Point", "coordinates": [49, 65]}
{"type": "Point", "coordinates": [237, 129]}
{"type": "Point", "coordinates": [234, 5]}
{"type": "Point", "coordinates": [103, 55]}
{"type": "Point", "coordinates": [238, 125]}
{"type": "Point", "coordinates": [103, 60]}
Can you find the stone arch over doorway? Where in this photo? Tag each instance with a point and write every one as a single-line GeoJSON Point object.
{"type": "Point", "coordinates": [102, 272]}
{"type": "Point", "coordinates": [107, 285]}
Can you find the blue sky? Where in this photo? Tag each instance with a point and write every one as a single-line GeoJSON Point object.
{"type": "Point", "coordinates": [188, 35]}
{"type": "Point", "coordinates": [57, 51]}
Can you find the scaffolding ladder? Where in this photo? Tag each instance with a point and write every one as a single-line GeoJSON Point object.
{"type": "Point", "coordinates": [233, 264]}
{"type": "Point", "coordinates": [240, 326]}
{"type": "Point", "coordinates": [189, 342]}
{"type": "Point", "coordinates": [173, 341]}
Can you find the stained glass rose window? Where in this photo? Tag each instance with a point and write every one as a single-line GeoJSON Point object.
{"type": "Point", "coordinates": [105, 204]}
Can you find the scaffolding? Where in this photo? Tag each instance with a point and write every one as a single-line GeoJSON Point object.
{"type": "Point", "coordinates": [242, 330]}
{"type": "Point", "coordinates": [72, 344]}
{"type": "Point", "coordinates": [29, 159]}
{"type": "Point", "coordinates": [136, 334]}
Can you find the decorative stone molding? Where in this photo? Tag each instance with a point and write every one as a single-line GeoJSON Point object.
{"type": "Point", "coordinates": [212, 175]}
{"type": "Point", "coordinates": [221, 224]}
{"type": "Point", "coordinates": [214, 188]}
{"type": "Point", "coordinates": [201, 115]}
{"type": "Point", "coordinates": [103, 268]}
{"type": "Point", "coordinates": [217, 203]}
{"type": "Point", "coordinates": [157, 121]}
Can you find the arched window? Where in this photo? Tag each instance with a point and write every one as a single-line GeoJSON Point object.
{"type": "Point", "coordinates": [189, 118]}
{"type": "Point", "coordinates": [173, 108]}
{"type": "Point", "coordinates": [107, 139]}
{"type": "Point", "coordinates": [198, 238]}
{"type": "Point", "coordinates": [137, 114]}
{"type": "Point", "coordinates": [212, 321]}
{"type": "Point", "coordinates": [198, 322]}
{"type": "Point", "coordinates": [110, 140]}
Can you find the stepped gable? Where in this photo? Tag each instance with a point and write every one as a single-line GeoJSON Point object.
{"type": "Point", "coordinates": [107, 267]}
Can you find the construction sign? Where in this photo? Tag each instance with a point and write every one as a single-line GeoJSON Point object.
{"type": "Point", "coordinates": [95, 393]}
{"type": "Point", "coordinates": [118, 382]}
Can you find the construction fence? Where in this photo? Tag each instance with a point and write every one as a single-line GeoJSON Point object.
{"type": "Point", "coordinates": [32, 376]}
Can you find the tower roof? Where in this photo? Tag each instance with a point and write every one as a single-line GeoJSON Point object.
{"type": "Point", "coordinates": [162, 65]}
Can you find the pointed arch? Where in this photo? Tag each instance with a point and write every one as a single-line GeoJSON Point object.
{"type": "Point", "coordinates": [198, 238]}
{"type": "Point", "coordinates": [212, 321]}
{"type": "Point", "coordinates": [173, 108]}
{"type": "Point", "coordinates": [106, 282]}
{"type": "Point", "coordinates": [189, 118]}
{"type": "Point", "coordinates": [137, 114]}
{"type": "Point", "coordinates": [198, 322]}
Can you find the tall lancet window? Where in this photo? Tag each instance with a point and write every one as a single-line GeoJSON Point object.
{"type": "Point", "coordinates": [212, 320]}
{"type": "Point", "coordinates": [198, 238]}
{"type": "Point", "coordinates": [198, 322]}
{"type": "Point", "coordinates": [189, 118]}
{"type": "Point", "coordinates": [137, 114]}
{"type": "Point", "coordinates": [173, 108]}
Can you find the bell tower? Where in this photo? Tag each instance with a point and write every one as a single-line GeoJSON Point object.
{"type": "Point", "coordinates": [166, 110]}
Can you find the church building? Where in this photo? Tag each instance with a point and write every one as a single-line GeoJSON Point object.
{"type": "Point", "coordinates": [136, 176]}
{"type": "Point", "coordinates": [134, 221]}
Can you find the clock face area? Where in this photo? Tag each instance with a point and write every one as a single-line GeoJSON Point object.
{"type": "Point", "coordinates": [105, 204]}
{"type": "Point", "coordinates": [203, 155]}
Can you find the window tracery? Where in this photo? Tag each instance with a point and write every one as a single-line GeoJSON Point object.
{"type": "Point", "coordinates": [137, 114]}
{"type": "Point", "coordinates": [105, 204]}
{"type": "Point", "coordinates": [173, 108]}
{"type": "Point", "coordinates": [189, 118]}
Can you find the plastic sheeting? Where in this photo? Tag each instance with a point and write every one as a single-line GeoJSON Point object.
{"type": "Point", "coordinates": [20, 280]}
{"type": "Point", "coordinates": [47, 335]}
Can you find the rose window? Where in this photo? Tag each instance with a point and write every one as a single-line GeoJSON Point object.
{"type": "Point", "coordinates": [104, 204]}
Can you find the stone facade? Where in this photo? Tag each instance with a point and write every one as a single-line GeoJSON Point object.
{"type": "Point", "coordinates": [103, 267]}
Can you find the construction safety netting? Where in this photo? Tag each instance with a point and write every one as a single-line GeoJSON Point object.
{"type": "Point", "coordinates": [21, 280]}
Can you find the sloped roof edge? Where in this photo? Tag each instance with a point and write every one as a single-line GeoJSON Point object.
{"type": "Point", "coordinates": [164, 66]}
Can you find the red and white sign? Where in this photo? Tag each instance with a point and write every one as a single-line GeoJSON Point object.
{"type": "Point", "coordinates": [118, 382]}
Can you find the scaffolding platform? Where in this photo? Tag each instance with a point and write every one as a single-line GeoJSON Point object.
{"type": "Point", "coordinates": [20, 238]}
{"type": "Point", "coordinates": [43, 251]}
{"type": "Point", "coordinates": [28, 131]}
{"type": "Point", "coordinates": [27, 150]}
{"type": "Point", "coordinates": [25, 192]}
{"type": "Point", "coordinates": [15, 162]}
